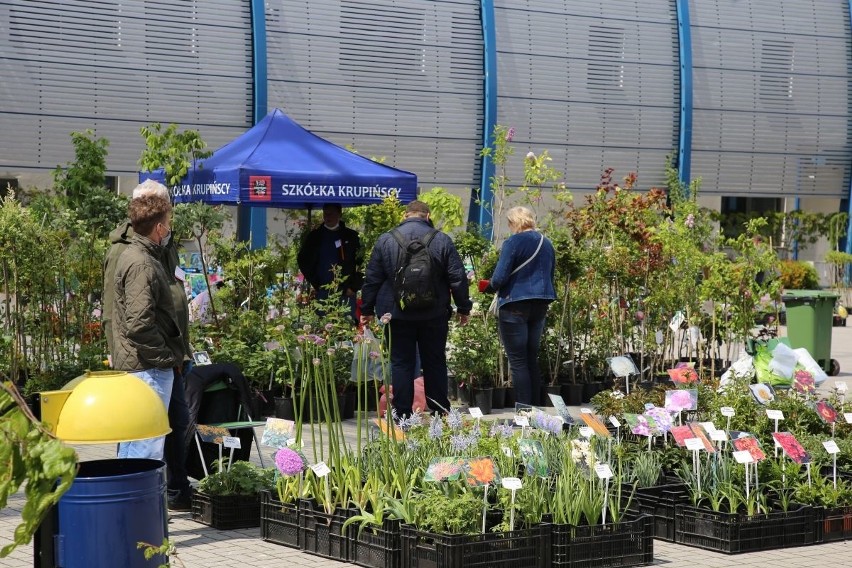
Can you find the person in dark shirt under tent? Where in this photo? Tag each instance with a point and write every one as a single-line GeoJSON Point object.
{"type": "Point", "coordinates": [329, 245]}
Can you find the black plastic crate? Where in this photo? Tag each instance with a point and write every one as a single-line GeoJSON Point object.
{"type": "Point", "coordinates": [226, 512]}
{"type": "Point", "coordinates": [321, 533]}
{"type": "Point", "coordinates": [734, 533]}
{"type": "Point", "coordinates": [279, 522]}
{"type": "Point", "coordinates": [613, 545]}
{"type": "Point", "coordinates": [528, 548]}
{"type": "Point", "coordinates": [833, 524]}
{"type": "Point", "coordinates": [376, 547]}
{"type": "Point", "coordinates": [659, 502]}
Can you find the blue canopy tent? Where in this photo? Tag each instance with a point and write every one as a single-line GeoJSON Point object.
{"type": "Point", "coordinates": [277, 163]}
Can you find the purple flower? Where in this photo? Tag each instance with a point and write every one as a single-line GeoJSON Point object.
{"type": "Point", "coordinates": [690, 221]}
{"type": "Point", "coordinates": [641, 428]}
{"type": "Point", "coordinates": [547, 423]}
{"type": "Point", "coordinates": [385, 319]}
{"type": "Point", "coordinates": [300, 338]}
{"type": "Point", "coordinates": [374, 355]}
{"type": "Point", "coordinates": [329, 327]}
{"type": "Point", "coordinates": [410, 422]}
{"type": "Point", "coordinates": [460, 442]}
{"type": "Point", "coordinates": [530, 156]}
{"type": "Point", "coordinates": [436, 428]}
{"type": "Point", "coordinates": [289, 462]}
{"type": "Point", "coordinates": [501, 430]}
{"type": "Point", "coordinates": [330, 351]}
{"type": "Point", "coordinates": [510, 134]}
{"type": "Point", "coordinates": [679, 400]}
{"type": "Point", "coordinates": [316, 362]}
{"type": "Point", "coordinates": [454, 420]}
{"type": "Point", "coordinates": [662, 417]}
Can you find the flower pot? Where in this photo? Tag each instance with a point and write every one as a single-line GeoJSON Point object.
{"type": "Point", "coordinates": [284, 408]}
{"type": "Point", "coordinates": [464, 394]}
{"type": "Point", "coordinates": [498, 397]}
{"type": "Point", "coordinates": [452, 388]}
{"type": "Point", "coordinates": [572, 394]}
{"type": "Point", "coordinates": [482, 399]}
{"type": "Point", "coordinates": [590, 390]}
{"type": "Point", "coordinates": [349, 404]}
{"type": "Point", "coordinates": [510, 398]}
{"type": "Point", "coordinates": [547, 390]}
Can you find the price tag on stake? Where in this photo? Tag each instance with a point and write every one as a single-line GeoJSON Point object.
{"type": "Point", "coordinates": [475, 411]}
{"type": "Point", "coordinates": [848, 417]}
{"type": "Point", "coordinates": [718, 435]}
{"type": "Point", "coordinates": [603, 470]}
{"type": "Point", "coordinates": [522, 421]}
{"type": "Point", "coordinates": [320, 469]}
{"type": "Point", "coordinates": [512, 483]}
{"type": "Point", "coordinates": [831, 447]}
{"type": "Point", "coordinates": [743, 456]}
{"type": "Point", "coordinates": [585, 410]}
{"type": "Point", "coordinates": [774, 414]}
{"type": "Point", "coordinates": [727, 411]}
{"type": "Point", "coordinates": [231, 442]}
{"type": "Point", "coordinates": [694, 444]}
{"type": "Point", "coordinates": [614, 421]}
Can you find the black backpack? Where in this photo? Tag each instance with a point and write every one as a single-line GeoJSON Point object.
{"type": "Point", "coordinates": [416, 274]}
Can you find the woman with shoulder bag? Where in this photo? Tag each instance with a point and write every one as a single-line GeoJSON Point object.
{"type": "Point", "coordinates": [523, 281]}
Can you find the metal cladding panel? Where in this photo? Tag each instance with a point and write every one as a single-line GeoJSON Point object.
{"type": "Point", "coordinates": [400, 79]}
{"type": "Point", "coordinates": [772, 91]}
{"type": "Point", "coordinates": [114, 66]}
{"type": "Point", "coordinates": [593, 82]}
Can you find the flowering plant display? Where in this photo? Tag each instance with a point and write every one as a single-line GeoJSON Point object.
{"type": "Point", "coordinates": [681, 399]}
{"type": "Point", "coordinates": [803, 381]}
{"type": "Point", "coordinates": [684, 375]}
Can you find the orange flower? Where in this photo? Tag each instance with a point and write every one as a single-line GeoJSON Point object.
{"type": "Point", "coordinates": [480, 471]}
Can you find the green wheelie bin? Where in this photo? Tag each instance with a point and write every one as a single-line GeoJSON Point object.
{"type": "Point", "coordinates": [809, 322]}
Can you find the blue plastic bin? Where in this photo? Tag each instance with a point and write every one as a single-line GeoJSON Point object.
{"type": "Point", "coordinates": [111, 506]}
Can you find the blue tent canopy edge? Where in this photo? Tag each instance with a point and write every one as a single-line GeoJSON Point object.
{"type": "Point", "coordinates": [278, 163]}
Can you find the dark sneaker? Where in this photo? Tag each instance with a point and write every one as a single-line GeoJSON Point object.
{"type": "Point", "coordinates": [182, 501]}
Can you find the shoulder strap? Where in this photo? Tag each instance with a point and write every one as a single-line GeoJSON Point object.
{"type": "Point", "coordinates": [429, 238]}
{"type": "Point", "coordinates": [527, 261]}
{"type": "Point", "coordinates": [398, 238]}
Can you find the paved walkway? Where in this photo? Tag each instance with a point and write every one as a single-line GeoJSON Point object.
{"type": "Point", "coordinates": [202, 547]}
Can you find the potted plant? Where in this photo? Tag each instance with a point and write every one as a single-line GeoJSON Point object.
{"type": "Point", "coordinates": [230, 498]}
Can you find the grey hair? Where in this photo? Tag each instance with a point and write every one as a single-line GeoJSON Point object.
{"type": "Point", "coordinates": [151, 187]}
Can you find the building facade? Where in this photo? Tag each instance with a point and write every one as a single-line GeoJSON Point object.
{"type": "Point", "coordinates": [751, 96]}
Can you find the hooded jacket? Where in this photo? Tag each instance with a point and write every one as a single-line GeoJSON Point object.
{"type": "Point", "coordinates": [145, 331]}
{"type": "Point", "coordinates": [120, 238]}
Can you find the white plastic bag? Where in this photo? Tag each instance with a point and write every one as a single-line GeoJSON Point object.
{"type": "Point", "coordinates": [364, 366]}
{"type": "Point", "coordinates": [783, 361]}
{"type": "Point", "coordinates": [807, 361]}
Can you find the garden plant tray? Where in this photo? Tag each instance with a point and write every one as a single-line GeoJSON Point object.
{"type": "Point", "coordinates": [376, 547]}
{"type": "Point", "coordinates": [279, 522]}
{"type": "Point", "coordinates": [226, 512]}
{"type": "Point", "coordinates": [628, 543]}
{"type": "Point", "coordinates": [321, 533]}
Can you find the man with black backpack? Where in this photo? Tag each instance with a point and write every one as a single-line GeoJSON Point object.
{"type": "Point", "coordinates": [413, 271]}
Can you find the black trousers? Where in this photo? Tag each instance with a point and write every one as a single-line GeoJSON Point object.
{"type": "Point", "coordinates": [430, 338]}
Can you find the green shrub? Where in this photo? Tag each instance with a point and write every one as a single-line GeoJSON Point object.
{"type": "Point", "coordinates": [797, 275]}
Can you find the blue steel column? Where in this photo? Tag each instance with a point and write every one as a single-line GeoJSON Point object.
{"type": "Point", "coordinates": [684, 36]}
{"type": "Point", "coordinates": [251, 221]}
{"type": "Point", "coordinates": [849, 195]}
{"type": "Point", "coordinates": [478, 213]}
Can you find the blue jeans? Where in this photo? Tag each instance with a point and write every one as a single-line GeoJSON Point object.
{"type": "Point", "coordinates": [152, 448]}
{"type": "Point", "coordinates": [429, 339]}
{"type": "Point", "coordinates": [521, 326]}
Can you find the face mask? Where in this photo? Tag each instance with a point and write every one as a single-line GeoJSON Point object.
{"type": "Point", "coordinates": [166, 239]}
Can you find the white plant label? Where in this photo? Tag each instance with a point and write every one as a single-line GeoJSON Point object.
{"type": "Point", "coordinates": [694, 444]}
{"type": "Point", "coordinates": [614, 421]}
{"type": "Point", "coordinates": [522, 420]}
{"type": "Point", "coordinates": [718, 435]}
{"type": "Point", "coordinates": [658, 336]}
{"type": "Point", "coordinates": [586, 432]}
{"type": "Point", "coordinates": [841, 387]}
{"type": "Point", "coordinates": [727, 411]}
{"type": "Point", "coordinates": [231, 442]}
{"type": "Point", "coordinates": [508, 451]}
{"type": "Point", "coordinates": [709, 426]}
{"type": "Point", "coordinates": [320, 469]}
{"type": "Point", "coordinates": [774, 414]}
{"type": "Point", "coordinates": [743, 456]}
{"type": "Point", "coordinates": [585, 410]}
{"type": "Point", "coordinates": [475, 411]}
{"type": "Point", "coordinates": [678, 318]}
{"type": "Point", "coordinates": [603, 470]}
{"type": "Point", "coordinates": [831, 447]}
{"type": "Point", "coordinates": [848, 417]}
{"type": "Point", "coordinates": [512, 483]}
